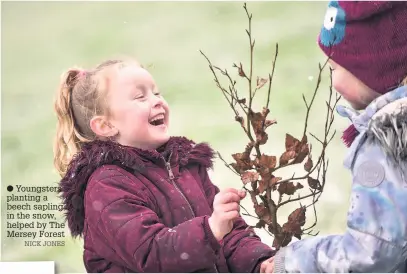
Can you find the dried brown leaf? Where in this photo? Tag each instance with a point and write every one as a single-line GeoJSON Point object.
{"type": "Point", "coordinates": [298, 216]}
{"type": "Point", "coordinates": [274, 180]}
{"type": "Point", "coordinates": [289, 188]}
{"type": "Point", "coordinates": [240, 119]}
{"type": "Point", "coordinates": [304, 139]}
{"type": "Point", "coordinates": [263, 171]}
{"type": "Point", "coordinates": [268, 123]}
{"type": "Point", "coordinates": [286, 157]}
{"type": "Point", "coordinates": [261, 138]}
{"type": "Point", "coordinates": [295, 150]}
{"type": "Point", "coordinates": [239, 157]}
{"type": "Point", "coordinates": [243, 162]}
{"type": "Point", "coordinates": [236, 167]}
{"type": "Point", "coordinates": [265, 112]}
{"type": "Point", "coordinates": [262, 212]}
{"type": "Point", "coordinates": [302, 152]}
{"type": "Point", "coordinates": [267, 161]}
{"type": "Point", "coordinates": [294, 230]}
{"type": "Point", "coordinates": [248, 150]}
{"type": "Point", "coordinates": [257, 119]}
{"type": "Point", "coordinates": [291, 143]}
{"type": "Point", "coordinates": [261, 82]}
{"type": "Point", "coordinates": [314, 183]}
{"type": "Point", "coordinates": [242, 101]}
{"type": "Point", "coordinates": [249, 177]}
{"type": "Point", "coordinates": [295, 221]}
{"type": "Point", "coordinates": [241, 71]}
{"type": "Point", "coordinates": [262, 186]}
{"type": "Point", "coordinates": [308, 164]}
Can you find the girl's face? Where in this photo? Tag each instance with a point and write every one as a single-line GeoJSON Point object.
{"type": "Point", "coordinates": [137, 110]}
{"type": "Point", "coordinates": [351, 88]}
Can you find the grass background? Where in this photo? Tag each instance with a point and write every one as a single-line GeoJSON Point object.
{"type": "Point", "coordinates": [40, 40]}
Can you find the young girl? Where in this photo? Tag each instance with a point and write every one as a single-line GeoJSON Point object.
{"type": "Point", "coordinates": [367, 44]}
{"type": "Point", "coordinates": [142, 200]}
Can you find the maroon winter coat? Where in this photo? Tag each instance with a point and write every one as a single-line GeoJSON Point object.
{"type": "Point", "coordinates": [139, 213]}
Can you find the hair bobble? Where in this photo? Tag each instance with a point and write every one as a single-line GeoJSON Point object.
{"type": "Point", "coordinates": [82, 73]}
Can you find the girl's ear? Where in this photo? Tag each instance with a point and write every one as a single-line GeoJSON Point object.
{"type": "Point", "coordinates": [101, 127]}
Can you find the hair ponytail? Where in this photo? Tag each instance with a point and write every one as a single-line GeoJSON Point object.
{"type": "Point", "coordinates": [68, 139]}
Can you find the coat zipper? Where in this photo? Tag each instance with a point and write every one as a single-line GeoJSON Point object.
{"type": "Point", "coordinates": [167, 164]}
{"type": "Point", "coordinates": [171, 175]}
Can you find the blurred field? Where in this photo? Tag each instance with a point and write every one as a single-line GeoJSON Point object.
{"type": "Point", "coordinates": [40, 40]}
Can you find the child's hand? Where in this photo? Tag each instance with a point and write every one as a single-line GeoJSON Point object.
{"type": "Point", "coordinates": [267, 266]}
{"type": "Point", "coordinates": [225, 210]}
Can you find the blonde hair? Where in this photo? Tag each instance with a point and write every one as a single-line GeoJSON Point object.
{"type": "Point", "coordinates": [404, 82]}
{"type": "Point", "coordinates": [80, 97]}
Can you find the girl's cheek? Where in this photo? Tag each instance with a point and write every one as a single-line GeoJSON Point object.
{"type": "Point", "coordinates": [341, 84]}
{"type": "Point", "coordinates": [336, 83]}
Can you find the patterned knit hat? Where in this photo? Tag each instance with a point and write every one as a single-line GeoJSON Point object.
{"type": "Point", "coordinates": [369, 39]}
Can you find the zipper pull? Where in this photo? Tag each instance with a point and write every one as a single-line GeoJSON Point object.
{"type": "Point", "coordinates": [169, 170]}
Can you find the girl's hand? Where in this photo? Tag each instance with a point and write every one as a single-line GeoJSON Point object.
{"type": "Point", "coordinates": [267, 266]}
{"type": "Point", "coordinates": [225, 210]}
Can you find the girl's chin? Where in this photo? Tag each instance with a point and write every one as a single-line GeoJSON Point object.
{"type": "Point", "coordinates": [160, 133]}
{"type": "Point", "coordinates": [162, 140]}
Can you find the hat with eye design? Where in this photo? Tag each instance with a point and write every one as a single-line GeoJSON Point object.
{"type": "Point", "coordinates": [369, 39]}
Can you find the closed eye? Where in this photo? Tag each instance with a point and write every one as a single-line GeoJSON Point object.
{"type": "Point", "coordinates": [137, 94]}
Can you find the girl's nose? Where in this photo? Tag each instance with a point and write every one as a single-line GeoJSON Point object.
{"type": "Point", "coordinates": [157, 100]}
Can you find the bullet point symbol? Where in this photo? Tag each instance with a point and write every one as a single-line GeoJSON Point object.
{"type": "Point", "coordinates": [10, 188]}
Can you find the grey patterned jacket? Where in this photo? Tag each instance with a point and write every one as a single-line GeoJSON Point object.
{"type": "Point", "coordinates": [376, 236]}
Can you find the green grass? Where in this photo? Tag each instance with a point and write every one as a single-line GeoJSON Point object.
{"type": "Point", "coordinates": [40, 40]}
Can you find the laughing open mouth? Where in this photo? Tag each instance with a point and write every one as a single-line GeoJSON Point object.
{"type": "Point", "coordinates": [157, 120]}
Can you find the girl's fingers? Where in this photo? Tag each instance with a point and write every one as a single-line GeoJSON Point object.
{"type": "Point", "coordinates": [228, 197]}
{"type": "Point", "coordinates": [230, 207]}
{"type": "Point", "coordinates": [242, 194]}
{"type": "Point", "coordinates": [231, 215]}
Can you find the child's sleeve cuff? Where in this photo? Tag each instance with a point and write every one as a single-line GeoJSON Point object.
{"type": "Point", "coordinates": [279, 261]}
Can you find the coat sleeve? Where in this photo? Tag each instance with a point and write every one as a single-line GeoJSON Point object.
{"type": "Point", "coordinates": [243, 249]}
{"type": "Point", "coordinates": [141, 242]}
{"type": "Point", "coordinates": [376, 235]}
